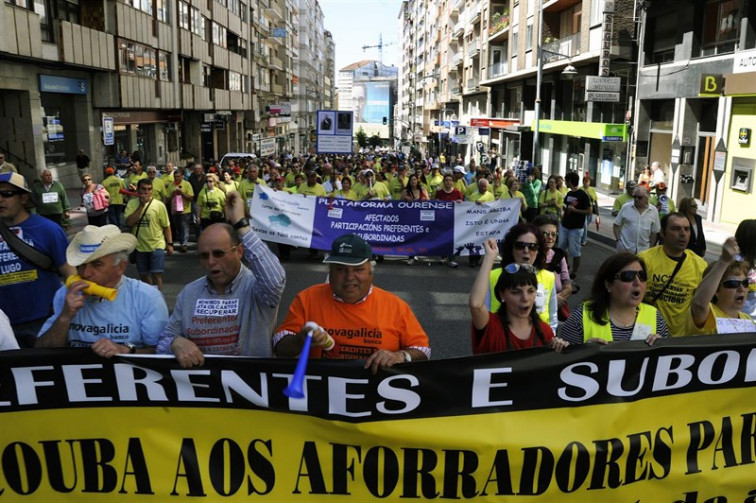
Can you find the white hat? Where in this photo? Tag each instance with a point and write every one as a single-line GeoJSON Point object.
{"type": "Point", "coordinates": [95, 242]}
{"type": "Point", "coordinates": [15, 179]}
{"type": "Point", "coordinates": [459, 169]}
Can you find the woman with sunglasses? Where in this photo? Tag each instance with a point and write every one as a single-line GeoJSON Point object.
{"type": "Point", "coordinates": [515, 324]}
{"type": "Point", "coordinates": [523, 244]}
{"type": "Point", "coordinates": [745, 235]}
{"type": "Point", "coordinates": [210, 203]}
{"type": "Point", "coordinates": [615, 310]}
{"type": "Point", "coordinates": [720, 297]}
{"type": "Point", "coordinates": [95, 198]}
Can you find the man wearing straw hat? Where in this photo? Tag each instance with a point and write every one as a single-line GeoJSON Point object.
{"type": "Point", "coordinates": [131, 323]}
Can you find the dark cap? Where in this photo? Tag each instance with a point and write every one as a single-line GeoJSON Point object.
{"type": "Point", "coordinates": [349, 249]}
{"type": "Point", "coordinates": [631, 184]}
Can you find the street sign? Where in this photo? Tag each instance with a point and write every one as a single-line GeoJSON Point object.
{"type": "Point", "coordinates": [601, 96]}
{"type": "Point", "coordinates": [108, 131]}
{"type": "Point", "coordinates": [607, 84]}
{"type": "Point", "coordinates": [611, 138]}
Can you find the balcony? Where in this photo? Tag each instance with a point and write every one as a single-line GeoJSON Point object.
{"type": "Point", "coordinates": [472, 85]}
{"type": "Point", "coordinates": [473, 14]}
{"type": "Point", "coordinates": [454, 92]}
{"type": "Point", "coordinates": [80, 45]}
{"type": "Point", "coordinates": [498, 27]}
{"type": "Point", "coordinates": [277, 89]}
{"type": "Point", "coordinates": [459, 29]}
{"type": "Point", "coordinates": [456, 59]}
{"type": "Point", "coordinates": [473, 48]}
{"type": "Point", "coordinates": [456, 4]}
{"type": "Point", "coordinates": [567, 46]}
{"type": "Point", "coordinates": [498, 70]}
{"type": "Point", "coordinates": [277, 63]}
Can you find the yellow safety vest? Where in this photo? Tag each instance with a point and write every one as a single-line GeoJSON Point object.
{"type": "Point", "coordinates": [546, 282]}
{"type": "Point", "coordinates": [592, 330]}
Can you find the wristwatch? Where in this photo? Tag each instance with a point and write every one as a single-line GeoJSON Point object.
{"type": "Point", "coordinates": [132, 348]}
{"type": "Point", "coordinates": [407, 356]}
{"type": "Point", "coordinates": [244, 222]}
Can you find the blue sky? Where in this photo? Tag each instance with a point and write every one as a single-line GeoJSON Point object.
{"type": "Point", "coordinates": [355, 23]}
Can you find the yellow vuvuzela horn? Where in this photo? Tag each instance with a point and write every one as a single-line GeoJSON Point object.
{"type": "Point", "coordinates": [93, 288]}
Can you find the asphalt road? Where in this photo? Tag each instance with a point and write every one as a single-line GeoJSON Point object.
{"type": "Point", "coordinates": [437, 294]}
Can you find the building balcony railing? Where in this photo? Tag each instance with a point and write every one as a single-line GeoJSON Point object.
{"type": "Point", "coordinates": [473, 48]}
{"type": "Point", "coordinates": [556, 50]}
{"type": "Point", "coordinates": [458, 29]}
{"type": "Point", "coordinates": [473, 14]}
{"type": "Point", "coordinates": [456, 59]}
{"type": "Point", "coordinates": [498, 69]}
{"type": "Point", "coordinates": [455, 92]}
{"type": "Point", "coordinates": [472, 84]}
{"type": "Point", "coordinates": [80, 45]}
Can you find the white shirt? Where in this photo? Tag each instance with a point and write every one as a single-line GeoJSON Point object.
{"type": "Point", "coordinates": [636, 228]}
{"type": "Point", "coordinates": [7, 339]}
{"type": "Point", "coordinates": [658, 177]}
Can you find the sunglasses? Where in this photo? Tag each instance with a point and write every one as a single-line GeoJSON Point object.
{"type": "Point", "coordinates": [734, 283]}
{"type": "Point", "coordinates": [629, 276]}
{"type": "Point", "coordinates": [87, 179]}
{"type": "Point", "coordinates": [7, 194]}
{"type": "Point", "coordinates": [513, 268]}
{"type": "Point", "coordinates": [215, 253]}
{"type": "Point", "coordinates": [521, 245]}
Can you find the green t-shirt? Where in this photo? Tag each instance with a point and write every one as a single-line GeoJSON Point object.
{"type": "Point", "coordinates": [315, 190]}
{"type": "Point", "coordinates": [150, 236]}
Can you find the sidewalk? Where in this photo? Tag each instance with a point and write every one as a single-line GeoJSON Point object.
{"type": "Point", "coordinates": [716, 234]}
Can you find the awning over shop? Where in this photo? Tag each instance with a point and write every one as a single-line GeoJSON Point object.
{"type": "Point", "coordinates": [598, 130]}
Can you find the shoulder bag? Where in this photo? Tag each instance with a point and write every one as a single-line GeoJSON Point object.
{"type": "Point", "coordinates": [25, 251]}
{"type": "Point", "coordinates": [669, 280]}
{"type": "Point", "coordinates": [132, 255]}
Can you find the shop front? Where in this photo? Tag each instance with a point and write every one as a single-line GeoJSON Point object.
{"type": "Point", "coordinates": [594, 148]}
{"type": "Point", "coordinates": [152, 136]}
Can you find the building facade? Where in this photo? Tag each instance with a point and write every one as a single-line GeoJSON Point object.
{"type": "Point", "coordinates": [179, 81]}
{"type": "Point", "coordinates": [368, 88]}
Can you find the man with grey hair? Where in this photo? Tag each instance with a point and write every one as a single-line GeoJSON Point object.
{"type": "Point", "coordinates": [354, 318]}
{"type": "Point", "coordinates": [637, 224]}
{"type": "Point", "coordinates": [129, 322]}
{"type": "Point", "coordinates": [51, 199]}
{"type": "Point", "coordinates": [657, 174]}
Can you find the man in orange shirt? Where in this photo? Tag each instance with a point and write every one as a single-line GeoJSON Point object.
{"type": "Point", "coordinates": [364, 321]}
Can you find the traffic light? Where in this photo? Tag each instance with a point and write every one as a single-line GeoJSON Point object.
{"type": "Point", "coordinates": [385, 121]}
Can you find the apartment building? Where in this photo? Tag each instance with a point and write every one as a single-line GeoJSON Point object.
{"type": "Point", "coordinates": [476, 64]}
{"type": "Point", "coordinates": [179, 81]}
{"type": "Point", "coordinates": [697, 102]}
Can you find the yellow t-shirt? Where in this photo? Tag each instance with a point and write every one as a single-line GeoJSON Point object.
{"type": "Point", "coordinates": [158, 189]}
{"type": "Point", "coordinates": [133, 179]}
{"type": "Point", "coordinates": [167, 179]}
{"type": "Point", "coordinates": [345, 194]}
{"type": "Point", "coordinates": [315, 190]}
{"type": "Point", "coordinates": [379, 188]}
{"type": "Point", "coordinates": [113, 184]}
{"type": "Point", "coordinates": [481, 198]}
{"type": "Point", "coordinates": [210, 200]}
{"type": "Point", "coordinates": [674, 303]}
{"type": "Point", "coordinates": [247, 188]}
{"type": "Point", "coordinates": [710, 325]}
{"type": "Point", "coordinates": [396, 186]}
{"type": "Point", "coordinates": [186, 189]}
{"type": "Point", "coordinates": [621, 200]}
{"type": "Point", "coordinates": [150, 236]}
{"type": "Point", "coordinates": [546, 197]}
{"type": "Point", "coordinates": [461, 185]}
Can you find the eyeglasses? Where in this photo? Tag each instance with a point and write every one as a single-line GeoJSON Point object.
{"type": "Point", "coordinates": [521, 245]}
{"type": "Point", "coordinates": [734, 283]}
{"type": "Point", "coordinates": [549, 234]}
{"type": "Point", "coordinates": [514, 267]}
{"type": "Point", "coordinates": [216, 253]}
{"type": "Point", "coordinates": [629, 276]}
{"type": "Point", "coordinates": [7, 194]}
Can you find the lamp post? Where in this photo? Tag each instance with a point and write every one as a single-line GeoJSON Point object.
{"type": "Point", "coordinates": [569, 72]}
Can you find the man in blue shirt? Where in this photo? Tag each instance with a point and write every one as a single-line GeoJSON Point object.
{"type": "Point", "coordinates": [26, 290]}
{"type": "Point", "coordinates": [130, 323]}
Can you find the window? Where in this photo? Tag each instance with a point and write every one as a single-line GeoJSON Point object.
{"type": "Point", "coordinates": [234, 81]}
{"type": "Point", "coordinates": [161, 6]}
{"type": "Point", "coordinates": [664, 29]}
{"type": "Point", "coordinates": [42, 8]}
{"type": "Point", "coordinates": [219, 35]}
{"type": "Point", "coordinates": [137, 59]}
{"type": "Point", "coordinates": [529, 37]}
{"type": "Point", "coordinates": [183, 13]}
{"type": "Point", "coordinates": [198, 23]}
{"type": "Point", "coordinates": [721, 27]}
{"type": "Point", "coordinates": [596, 14]}
{"type": "Point", "coordinates": [233, 6]}
{"type": "Point", "coordinates": [243, 11]}
{"type": "Point", "coordinates": [68, 11]}
{"type": "Point", "coordinates": [184, 71]}
{"type": "Point", "coordinates": [513, 45]}
{"type": "Point", "coordinates": [164, 66]}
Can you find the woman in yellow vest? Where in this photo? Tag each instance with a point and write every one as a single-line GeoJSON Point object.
{"type": "Point", "coordinates": [720, 297]}
{"type": "Point", "coordinates": [524, 244]}
{"type": "Point", "coordinates": [615, 310]}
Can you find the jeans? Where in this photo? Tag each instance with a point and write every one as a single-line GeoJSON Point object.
{"type": "Point", "coordinates": [588, 220]}
{"type": "Point", "coordinates": [181, 223]}
{"type": "Point", "coordinates": [115, 214]}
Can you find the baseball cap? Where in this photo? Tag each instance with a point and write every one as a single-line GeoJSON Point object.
{"type": "Point", "coordinates": [349, 249]}
{"type": "Point", "coordinates": [109, 171]}
{"type": "Point", "coordinates": [15, 179]}
{"type": "Point", "coordinates": [631, 184]}
{"type": "Point", "coordinates": [459, 169]}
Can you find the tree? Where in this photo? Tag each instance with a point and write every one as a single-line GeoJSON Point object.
{"type": "Point", "coordinates": [375, 141]}
{"type": "Point", "coordinates": [362, 139]}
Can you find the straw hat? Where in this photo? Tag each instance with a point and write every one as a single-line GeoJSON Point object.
{"type": "Point", "coordinates": [95, 242]}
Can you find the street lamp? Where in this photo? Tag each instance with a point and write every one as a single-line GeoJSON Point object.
{"type": "Point", "coordinates": [569, 73]}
